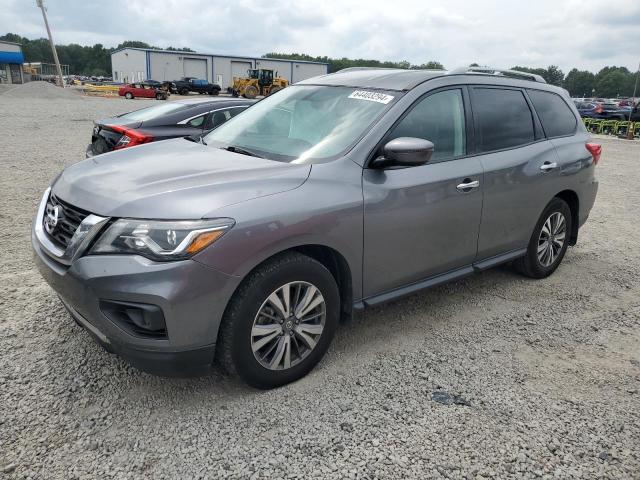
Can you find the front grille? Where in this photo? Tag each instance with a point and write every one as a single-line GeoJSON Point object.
{"type": "Point", "coordinates": [69, 220]}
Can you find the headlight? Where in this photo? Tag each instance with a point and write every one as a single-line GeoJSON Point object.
{"type": "Point", "coordinates": [161, 240]}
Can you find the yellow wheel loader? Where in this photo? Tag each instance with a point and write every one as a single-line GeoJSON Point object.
{"type": "Point", "coordinates": [258, 82]}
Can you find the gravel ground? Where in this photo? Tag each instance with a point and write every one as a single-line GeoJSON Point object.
{"type": "Point", "coordinates": [492, 376]}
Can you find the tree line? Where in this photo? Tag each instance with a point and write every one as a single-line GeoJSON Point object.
{"type": "Point", "coordinates": [96, 60]}
{"type": "Point", "coordinates": [608, 82]}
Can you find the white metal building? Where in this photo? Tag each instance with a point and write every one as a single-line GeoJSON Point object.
{"type": "Point", "coordinates": [137, 64]}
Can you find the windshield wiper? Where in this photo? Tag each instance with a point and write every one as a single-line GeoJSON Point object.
{"type": "Point", "coordinates": [243, 151]}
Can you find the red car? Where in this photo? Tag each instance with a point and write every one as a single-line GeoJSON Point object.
{"type": "Point", "coordinates": [141, 90]}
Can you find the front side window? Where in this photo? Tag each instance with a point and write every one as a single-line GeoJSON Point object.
{"type": "Point", "coordinates": [304, 124]}
{"type": "Point", "coordinates": [503, 118]}
{"type": "Point", "coordinates": [438, 118]}
{"type": "Point", "coordinates": [557, 118]}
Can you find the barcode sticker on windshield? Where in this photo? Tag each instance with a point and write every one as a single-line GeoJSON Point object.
{"type": "Point", "coordinates": [371, 96]}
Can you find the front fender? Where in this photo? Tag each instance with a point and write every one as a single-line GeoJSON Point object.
{"type": "Point", "coordinates": [326, 210]}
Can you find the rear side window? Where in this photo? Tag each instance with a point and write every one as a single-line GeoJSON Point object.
{"type": "Point", "coordinates": [503, 118]}
{"type": "Point", "coordinates": [556, 116]}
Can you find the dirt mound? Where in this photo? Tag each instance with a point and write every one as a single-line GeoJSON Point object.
{"type": "Point", "coordinates": [5, 87]}
{"type": "Point", "coordinates": [44, 90]}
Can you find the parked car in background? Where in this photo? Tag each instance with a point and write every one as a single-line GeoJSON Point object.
{"type": "Point", "coordinates": [603, 111]}
{"type": "Point", "coordinates": [338, 193]}
{"type": "Point", "coordinates": [142, 90]}
{"type": "Point", "coordinates": [179, 118]}
{"type": "Point", "coordinates": [155, 83]}
{"type": "Point", "coordinates": [197, 85]}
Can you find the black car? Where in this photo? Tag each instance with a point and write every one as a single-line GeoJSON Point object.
{"type": "Point", "coordinates": [197, 85]}
{"type": "Point", "coordinates": [181, 118]}
{"type": "Point", "coordinates": [602, 111]}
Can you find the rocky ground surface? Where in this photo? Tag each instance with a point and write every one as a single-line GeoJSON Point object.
{"type": "Point", "coordinates": [494, 376]}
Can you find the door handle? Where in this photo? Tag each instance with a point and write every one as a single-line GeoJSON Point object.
{"type": "Point", "coordinates": [547, 166]}
{"type": "Point", "coordinates": [467, 185]}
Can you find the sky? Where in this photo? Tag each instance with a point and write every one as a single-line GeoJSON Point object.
{"type": "Point", "coordinates": [587, 34]}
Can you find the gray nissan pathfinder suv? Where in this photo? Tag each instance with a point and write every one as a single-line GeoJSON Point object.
{"type": "Point", "coordinates": [340, 192]}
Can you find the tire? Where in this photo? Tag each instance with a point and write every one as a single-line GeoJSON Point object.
{"type": "Point", "coordinates": [237, 341]}
{"type": "Point", "coordinates": [128, 96]}
{"type": "Point", "coordinates": [160, 96]}
{"type": "Point", "coordinates": [214, 92]}
{"type": "Point", "coordinates": [543, 264]}
{"type": "Point", "coordinates": [274, 90]}
{"type": "Point", "coordinates": [251, 92]}
{"type": "Point", "coordinates": [184, 91]}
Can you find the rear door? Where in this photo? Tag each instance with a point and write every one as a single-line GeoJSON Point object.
{"type": "Point", "coordinates": [423, 221]}
{"type": "Point", "coordinates": [517, 162]}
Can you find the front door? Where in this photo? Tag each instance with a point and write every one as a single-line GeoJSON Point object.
{"type": "Point", "coordinates": [423, 221]}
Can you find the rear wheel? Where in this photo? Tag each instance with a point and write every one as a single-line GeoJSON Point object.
{"type": "Point", "coordinates": [128, 96]}
{"type": "Point", "coordinates": [160, 96]}
{"type": "Point", "coordinates": [184, 91]}
{"type": "Point", "coordinates": [214, 92]}
{"type": "Point", "coordinates": [251, 92]}
{"type": "Point", "coordinates": [549, 241]}
{"type": "Point", "coordinates": [280, 322]}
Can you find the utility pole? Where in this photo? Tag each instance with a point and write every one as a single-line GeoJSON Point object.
{"type": "Point", "coordinates": [53, 46]}
{"type": "Point", "coordinates": [630, 132]}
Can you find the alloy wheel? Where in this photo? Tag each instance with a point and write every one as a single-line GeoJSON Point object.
{"type": "Point", "coordinates": [551, 239]}
{"type": "Point", "coordinates": [288, 325]}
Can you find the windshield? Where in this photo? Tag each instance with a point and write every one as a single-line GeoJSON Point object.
{"type": "Point", "coordinates": [303, 123]}
{"type": "Point", "coordinates": [156, 111]}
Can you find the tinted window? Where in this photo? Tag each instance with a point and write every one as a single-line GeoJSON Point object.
{"type": "Point", "coordinates": [503, 118]}
{"type": "Point", "coordinates": [219, 117]}
{"type": "Point", "coordinates": [438, 118]}
{"type": "Point", "coordinates": [556, 116]}
{"type": "Point", "coordinates": [196, 122]}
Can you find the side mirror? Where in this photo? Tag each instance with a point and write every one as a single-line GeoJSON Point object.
{"type": "Point", "coordinates": [405, 152]}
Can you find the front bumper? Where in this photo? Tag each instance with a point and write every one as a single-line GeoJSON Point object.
{"type": "Point", "coordinates": [191, 296]}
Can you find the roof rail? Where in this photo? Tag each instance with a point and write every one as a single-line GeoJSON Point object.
{"type": "Point", "coordinates": [498, 71]}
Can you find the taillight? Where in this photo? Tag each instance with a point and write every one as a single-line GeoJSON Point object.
{"type": "Point", "coordinates": [599, 109]}
{"type": "Point", "coordinates": [130, 137]}
{"type": "Point", "coordinates": [595, 149]}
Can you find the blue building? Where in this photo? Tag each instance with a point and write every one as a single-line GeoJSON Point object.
{"type": "Point", "coordinates": [11, 60]}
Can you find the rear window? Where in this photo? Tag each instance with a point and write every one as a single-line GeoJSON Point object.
{"type": "Point", "coordinates": [503, 118]}
{"type": "Point", "coordinates": [557, 118]}
{"type": "Point", "coordinates": [156, 111]}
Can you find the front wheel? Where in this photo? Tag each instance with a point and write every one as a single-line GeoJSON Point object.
{"type": "Point", "coordinates": [280, 322]}
{"type": "Point", "coordinates": [549, 241]}
{"type": "Point", "coordinates": [251, 92]}
{"type": "Point", "coordinates": [128, 96]}
{"type": "Point", "coordinates": [214, 92]}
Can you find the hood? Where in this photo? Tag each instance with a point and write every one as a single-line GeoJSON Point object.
{"type": "Point", "coordinates": [173, 179]}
